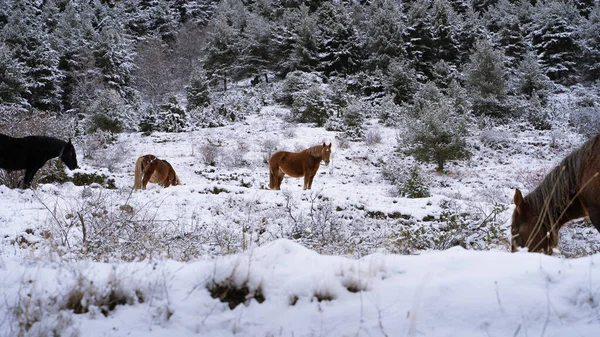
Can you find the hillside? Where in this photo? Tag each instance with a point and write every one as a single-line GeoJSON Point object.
{"type": "Point", "coordinates": [158, 252]}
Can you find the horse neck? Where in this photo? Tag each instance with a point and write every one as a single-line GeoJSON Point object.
{"type": "Point", "coordinates": [315, 152]}
{"type": "Point", "coordinates": [552, 203]}
{"type": "Point", "coordinates": [52, 146]}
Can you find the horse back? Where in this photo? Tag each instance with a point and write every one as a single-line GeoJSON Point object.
{"type": "Point", "coordinates": [15, 153]}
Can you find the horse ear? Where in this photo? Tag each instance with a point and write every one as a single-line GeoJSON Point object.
{"type": "Point", "coordinates": [329, 144]}
{"type": "Point", "coordinates": [518, 199]}
{"type": "Point", "coordinates": [70, 140]}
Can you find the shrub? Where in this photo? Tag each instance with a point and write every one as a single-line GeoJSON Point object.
{"type": "Point", "coordinates": [586, 121]}
{"type": "Point", "coordinates": [409, 183]}
{"type": "Point", "coordinates": [198, 90]}
{"type": "Point", "coordinates": [312, 106]}
{"type": "Point", "coordinates": [435, 133]}
{"type": "Point", "coordinates": [110, 112]}
{"type": "Point", "coordinates": [453, 227]}
{"type": "Point", "coordinates": [171, 116]}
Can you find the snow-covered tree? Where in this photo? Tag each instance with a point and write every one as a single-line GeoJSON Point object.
{"type": "Point", "coordinates": [507, 23]}
{"type": "Point", "coordinates": [198, 90]}
{"type": "Point", "coordinates": [12, 80]}
{"type": "Point", "coordinates": [486, 78]}
{"type": "Point", "coordinates": [26, 36]}
{"type": "Point", "coordinates": [590, 44]}
{"type": "Point", "coordinates": [554, 35]}
{"type": "Point", "coordinates": [435, 131]}
{"type": "Point", "coordinates": [223, 46]}
{"type": "Point", "coordinates": [339, 48]}
{"type": "Point", "coordinates": [382, 28]}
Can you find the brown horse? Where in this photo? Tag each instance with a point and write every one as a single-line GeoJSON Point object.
{"type": "Point", "coordinates": [148, 168]}
{"type": "Point", "coordinates": [570, 191]}
{"type": "Point", "coordinates": [297, 164]}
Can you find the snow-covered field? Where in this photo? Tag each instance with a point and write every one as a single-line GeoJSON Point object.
{"type": "Point", "coordinates": [93, 261]}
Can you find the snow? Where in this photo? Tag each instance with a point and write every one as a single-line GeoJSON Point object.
{"type": "Point", "coordinates": [344, 281]}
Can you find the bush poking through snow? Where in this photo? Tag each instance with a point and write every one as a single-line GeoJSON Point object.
{"type": "Point", "coordinates": [453, 227]}
{"type": "Point", "coordinates": [228, 291]}
{"type": "Point", "coordinates": [86, 296]}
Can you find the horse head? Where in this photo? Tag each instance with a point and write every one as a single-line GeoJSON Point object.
{"type": "Point", "coordinates": [325, 153]}
{"type": "Point", "coordinates": [527, 229]}
{"type": "Point", "coordinates": [68, 155]}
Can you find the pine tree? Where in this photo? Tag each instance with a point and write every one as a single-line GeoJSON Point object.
{"type": "Point", "coordinates": [554, 38]}
{"type": "Point", "coordinates": [304, 55]}
{"type": "Point", "coordinates": [26, 37]}
{"type": "Point", "coordinates": [256, 54]}
{"type": "Point", "coordinates": [531, 78]}
{"type": "Point", "coordinates": [12, 80]}
{"type": "Point", "coordinates": [590, 45]}
{"type": "Point", "coordinates": [486, 78]}
{"type": "Point", "coordinates": [224, 42]}
{"type": "Point", "coordinates": [435, 132]}
{"type": "Point", "coordinates": [507, 23]}
{"type": "Point", "coordinates": [198, 90]}
{"type": "Point", "coordinates": [382, 29]}
{"type": "Point", "coordinates": [339, 47]}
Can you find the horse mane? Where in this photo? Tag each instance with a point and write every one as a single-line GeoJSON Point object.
{"type": "Point", "coordinates": [556, 192]}
{"type": "Point", "coordinates": [52, 140]}
{"type": "Point", "coordinates": [314, 151]}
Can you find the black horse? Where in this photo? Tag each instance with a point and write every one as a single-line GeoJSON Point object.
{"type": "Point", "coordinates": [31, 153]}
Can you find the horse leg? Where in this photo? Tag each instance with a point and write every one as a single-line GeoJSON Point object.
{"type": "Point", "coordinates": [307, 181]}
{"type": "Point", "coordinates": [310, 180]}
{"type": "Point", "coordinates": [147, 174]}
{"type": "Point", "coordinates": [280, 175]}
{"type": "Point", "coordinates": [271, 179]}
{"type": "Point", "coordinates": [595, 218]}
{"type": "Point", "coordinates": [29, 173]}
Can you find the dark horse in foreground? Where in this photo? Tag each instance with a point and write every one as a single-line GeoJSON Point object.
{"type": "Point", "coordinates": [570, 191]}
{"type": "Point", "coordinates": [148, 168]}
{"type": "Point", "coordinates": [31, 153]}
{"type": "Point", "coordinates": [297, 164]}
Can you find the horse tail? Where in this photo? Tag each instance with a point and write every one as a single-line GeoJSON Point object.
{"type": "Point", "coordinates": [139, 173]}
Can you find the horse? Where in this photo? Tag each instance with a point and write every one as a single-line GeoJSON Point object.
{"type": "Point", "coordinates": [570, 191]}
{"type": "Point", "coordinates": [297, 164]}
{"type": "Point", "coordinates": [32, 152]}
{"type": "Point", "coordinates": [148, 168]}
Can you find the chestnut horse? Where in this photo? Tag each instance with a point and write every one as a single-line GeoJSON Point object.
{"type": "Point", "coordinates": [570, 191]}
{"type": "Point", "coordinates": [297, 164]}
{"type": "Point", "coordinates": [148, 168]}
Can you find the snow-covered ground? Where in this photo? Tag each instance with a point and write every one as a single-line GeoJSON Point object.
{"type": "Point", "coordinates": [93, 261]}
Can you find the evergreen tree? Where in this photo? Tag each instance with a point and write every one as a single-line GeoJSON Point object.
{"type": "Point", "coordinates": [590, 45]}
{"type": "Point", "coordinates": [27, 38]}
{"type": "Point", "coordinates": [435, 132]}
{"type": "Point", "coordinates": [339, 51]}
{"type": "Point", "coordinates": [304, 55]}
{"type": "Point", "coordinates": [224, 42]}
{"type": "Point", "coordinates": [486, 78]}
{"type": "Point", "coordinates": [198, 90]}
{"type": "Point", "coordinates": [554, 38]}
{"type": "Point", "coordinates": [71, 37]}
{"type": "Point", "coordinates": [12, 80]}
{"type": "Point", "coordinates": [199, 12]}
{"type": "Point", "coordinates": [507, 23]}
{"type": "Point", "coordinates": [531, 78]}
{"type": "Point", "coordinates": [433, 35]}
{"type": "Point", "coordinates": [382, 30]}
{"type": "Point", "coordinates": [256, 48]}
{"type": "Point", "coordinates": [419, 37]}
